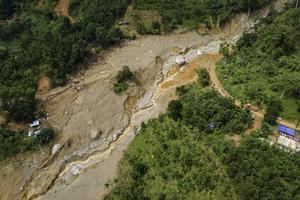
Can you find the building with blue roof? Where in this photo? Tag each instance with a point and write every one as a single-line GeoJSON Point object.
{"type": "Point", "coordinates": [286, 131]}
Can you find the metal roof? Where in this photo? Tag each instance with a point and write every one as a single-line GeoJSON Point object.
{"type": "Point", "coordinates": [35, 123]}
{"type": "Point", "coordinates": [286, 130]}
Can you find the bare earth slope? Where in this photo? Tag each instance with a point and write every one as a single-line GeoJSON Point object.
{"type": "Point", "coordinates": [90, 108]}
{"type": "Point", "coordinates": [83, 165]}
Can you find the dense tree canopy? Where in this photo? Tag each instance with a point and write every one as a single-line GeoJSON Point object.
{"type": "Point", "coordinates": [12, 143]}
{"type": "Point", "coordinates": [193, 12]}
{"type": "Point", "coordinates": [263, 172]}
{"type": "Point", "coordinates": [37, 42]}
{"type": "Point", "coordinates": [265, 64]}
{"type": "Point", "coordinates": [168, 161]}
{"type": "Point", "coordinates": [206, 110]}
{"type": "Point", "coordinates": [165, 161]}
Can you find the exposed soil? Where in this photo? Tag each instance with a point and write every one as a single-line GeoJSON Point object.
{"type": "Point", "coordinates": [158, 88]}
{"type": "Point", "coordinates": [83, 166]}
{"type": "Point", "coordinates": [90, 104]}
{"type": "Point", "coordinates": [62, 8]}
{"type": "Point", "coordinates": [44, 85]}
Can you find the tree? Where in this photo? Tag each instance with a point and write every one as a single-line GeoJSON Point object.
{"type": "Point", "coordinates": [175, 109]}
{"type": "Point", "coordinates": [204, 78]}
{"type": "Point", "coordinates": [122, 79]}
{"type": "Point", "coordinates": [274, 107]}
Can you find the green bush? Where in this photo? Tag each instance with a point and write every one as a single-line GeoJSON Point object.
{"type": "Point", "coordinates": [175, 109]}
{"type": "Point", "coordinates": [120, 87]}
{"type": "Point", "coordinates": [12, 143]}
{"type": "Point", "coordinates": [124, 75]}
{"type": "Point", "coordinates": [204, 78]}
{"type": "Point", "coordinates": [274, 107]}
{"type": "Point", "coordinates": [122, 79]}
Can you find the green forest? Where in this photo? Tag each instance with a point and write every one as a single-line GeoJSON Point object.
{"type": "Point", "coordinates": [265, 64]}
{"type": "Point", "coordinates": [180, 155]}
{"type": "Point", "coordinates": [206, 110]}
{"type": "Point", "coordinates": [34, 41]}
{"type": "Point", "coordinates": [175, 165]}
{"type": "Point", "coordinates": [192, 12]}
{"type": "Point", "coordinates": [188, 153]}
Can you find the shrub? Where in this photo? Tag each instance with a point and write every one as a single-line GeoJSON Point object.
{"type": "Point", "coordinates": [122, 79]}
{"type": "Point", "coordinates": [175, 109]}
{"type": "Point", "coordinates": [124, 75]}
{"type": "Point", "coordinates": [204, 78]}
{"type": "Point", "coordinates": [12, 143]}
{"type": "Point", "coordinates": [120, 87]}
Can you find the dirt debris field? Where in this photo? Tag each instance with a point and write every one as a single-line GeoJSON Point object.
{"type": "Point", "coordinates": [87, 104]}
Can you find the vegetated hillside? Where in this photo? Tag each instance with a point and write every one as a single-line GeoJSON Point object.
{"type": "Point", "coordinates": [165, 161]}
{"type": "Point", "coordinates": [169, 160]}
{"type": "Point", "coordinates": [193, 12]}
{"type": "Point", "coordinates": [180, 159]}
{"type": "Point", "coordinates": [34, 42]}
{"type": "Point", "coordinates": [260, 171]}
{"type": "Point", "coordinates": [208, 111]}
{"type": "Point", "coordinates": [265, 65]}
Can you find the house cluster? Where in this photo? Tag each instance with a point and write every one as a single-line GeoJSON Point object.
{"type": "Point", "coordinates": [35, 128]}
{"type": "Point", "coordinates": [288, 138]}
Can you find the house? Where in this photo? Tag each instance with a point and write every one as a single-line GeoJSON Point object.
{"type": "Point", "coordinates": [288, 143]}
{"type": "Point", "coordinates": [123, 22]}
{"type": "Point", "coordinates": [287, 132]}
{"type": "Point", "coordinates": [287, 138]}
{"type": "Point", "coordinates": [34, 124]}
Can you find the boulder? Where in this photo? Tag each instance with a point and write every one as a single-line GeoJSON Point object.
{"type": "Point", "coordinates": [75, 170]}
{"type": "Point", "coordinates": [95, 134]}
{"type": "Point", "coordinates": [55, 149]}
{"type": "Point", "coordinates": [180, 60]}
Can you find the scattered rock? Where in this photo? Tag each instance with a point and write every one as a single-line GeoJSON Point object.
{"type": "Point", "coordinates": [75, 170]}
{"type": "Point", "coordinates": [95, 134]}
{"type": "Point", "coordinates": [180, 60]}
{"type": "Point", "coordinates": [55, 149]}
{"type": "Point", "coordinates": [76, 81]}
